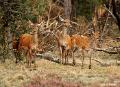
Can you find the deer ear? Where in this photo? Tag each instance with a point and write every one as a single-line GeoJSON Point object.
{"type": "Point", "coordinates": [57, 32]}
{"type": "Point", "coordinates": [30, 23]}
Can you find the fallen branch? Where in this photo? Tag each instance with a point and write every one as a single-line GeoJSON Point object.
{"type": "Point", "coordinates": [98, 61]}
{"type": "Point", "coordinates": [103, 64]}
{"type": "Point", "coordinates": [107, 51]}
{"type": "Point", "coordinates": [49, 56]}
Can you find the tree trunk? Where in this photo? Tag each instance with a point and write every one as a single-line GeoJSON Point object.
{"type": "Point", "coordinates": [6, 44]}
{"type": "Point", "coordinates": [115, 13]}
{"type": "Point", "coordinates": [68, 8]}
{"type": "Point", "coordinates": [74, 9]}
{"type": "Point", "coordinates": [9, 41]}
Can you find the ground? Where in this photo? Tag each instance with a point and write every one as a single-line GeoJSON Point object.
{"type": "Point", "coordinates": [51, 74]}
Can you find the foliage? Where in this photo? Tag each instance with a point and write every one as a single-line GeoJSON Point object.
{"type": "Point", "coordinates": [86, 7]}
{"type": "Point", "coordinates": [13, 11]}
{"type": "Point", "coordinates": [14, 15]}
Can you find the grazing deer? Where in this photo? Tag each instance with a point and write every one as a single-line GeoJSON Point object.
{"type": "Point", "coordinates": [64, 41]}
{"type": "Point", "coordinates": [28, 43]}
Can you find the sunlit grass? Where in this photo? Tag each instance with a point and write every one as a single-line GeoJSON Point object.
{"type": "Point", "coordinates": [12, 74]}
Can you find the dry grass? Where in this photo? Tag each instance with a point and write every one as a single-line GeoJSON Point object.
{"type": "Point", "coordinates": [12, 75]}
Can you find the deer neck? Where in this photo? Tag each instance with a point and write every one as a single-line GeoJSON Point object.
{"type": "Point", "coordinates": [35, 36]}
{"type": "Point", "coordinates": [65, 31]}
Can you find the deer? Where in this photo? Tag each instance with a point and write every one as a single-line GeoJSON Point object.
{"type": "Point", "coordinates": [83, 44]}
{"type": "Point", "coordinates": [71, 43]}
{"type": "Point", "coordinates": [64, 41]}
{"type": "Point", "coordinates": [64, 44]}
{"type": "Point", "coordinates": [68, 43]}
{"type": "Point", "coordinates": [28, 43]}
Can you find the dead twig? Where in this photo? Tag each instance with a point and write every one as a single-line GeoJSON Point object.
{"type": "Point", "coordinates": [111, 13]}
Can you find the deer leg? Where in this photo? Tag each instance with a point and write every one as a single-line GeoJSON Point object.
{"type": "Point", "coordinates": [90, 63]}
{"type": "Point", "coordinates": [27, 59]}
{"type": "Point", "coordinates": [23, 54]}
{"type": "Point", "coordinates": [30, 57]}
{"type": "Point", "coordinates": [66, 58]}
{"type": "Point", "coordinates": [73, 58]}
{"type": "Point", "coordinates": [16, 56]}
{"type": "Point", "coordinates": [61, 55]}
{"type": "Point", "coordinates": [83, 58]}
{"type": "Point", "coordinates": [34, 56]}
{"type": "Point", "coordinates": [90, 59]}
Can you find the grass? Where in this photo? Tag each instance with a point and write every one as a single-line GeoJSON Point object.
{"type": "Point", "coordinates": [17, 75]}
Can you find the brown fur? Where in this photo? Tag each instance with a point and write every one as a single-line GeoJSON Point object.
{"type": "Point", "coordinates": [64, 44]}
{"type": "Point", "coordinates": [64, 41]}
{"type": "Point", "coordinates": [25, 43]}
{"type": "Point", "coordinates": [82, 43]}
{"type": "Point", "coordinates": [28, 43]}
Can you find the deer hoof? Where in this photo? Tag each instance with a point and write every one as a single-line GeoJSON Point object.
{"type": "Point", "coordinates": [74, 62]}
{"type": "Point", "coordinates": [65, 63]}
{"type": "Point", "coordinates": [89, 66]}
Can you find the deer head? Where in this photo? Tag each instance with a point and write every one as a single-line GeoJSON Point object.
{"type": "Point", "coordinates": [66, 22]}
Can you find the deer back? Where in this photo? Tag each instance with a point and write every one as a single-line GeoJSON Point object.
{"type": "Point", "coordinates": [80, 41]}
{"type": "Point", "coordinates": [25, 41]}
